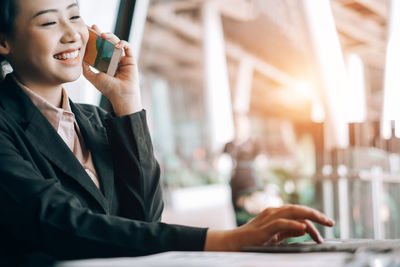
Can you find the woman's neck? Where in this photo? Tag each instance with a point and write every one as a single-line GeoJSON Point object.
{"type": "Point", "coordinates": [52, 93]}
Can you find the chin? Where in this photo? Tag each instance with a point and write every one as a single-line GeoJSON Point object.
{"type": "Point", "coordinates": [71, 76]}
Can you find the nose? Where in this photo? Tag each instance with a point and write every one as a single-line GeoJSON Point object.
{"type": "Point", "coordinates": [70, 34]}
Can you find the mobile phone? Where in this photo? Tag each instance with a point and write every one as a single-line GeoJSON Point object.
{"type": "Point", "coordinates": [102, 54]}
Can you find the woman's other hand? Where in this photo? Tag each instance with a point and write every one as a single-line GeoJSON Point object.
{"type": "Point", "coordinates": [271, 227]}
{"type": "Point", "coordinates": [123, 90]}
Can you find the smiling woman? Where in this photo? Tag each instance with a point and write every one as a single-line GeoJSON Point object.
{"type": "Point", "coordinates": [42, 38]}
{"type": "Point", "coordinates": [76, 181]}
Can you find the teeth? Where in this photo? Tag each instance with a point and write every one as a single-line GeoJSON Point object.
{"type": "Point", "coordinates": [65, 56]}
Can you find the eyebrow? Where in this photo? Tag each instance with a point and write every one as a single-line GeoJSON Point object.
{"type": "Point", "coordinates": [52, 10]}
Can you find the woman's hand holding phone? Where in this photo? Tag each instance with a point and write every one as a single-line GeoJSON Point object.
{"type": "Point", "coordinates": [123, 89]}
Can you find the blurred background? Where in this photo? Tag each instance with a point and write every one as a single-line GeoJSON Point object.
{"type": "Point", "coordinates": [260, 103]}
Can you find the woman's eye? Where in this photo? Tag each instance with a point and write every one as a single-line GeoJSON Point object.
{"type": "Point", "coordinates": [48, 23]}
{"type": "Point", "coordinates": [75, 17]}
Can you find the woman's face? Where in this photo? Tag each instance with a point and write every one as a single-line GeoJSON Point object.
{"type": "Point", "coordinates": [49, 42]}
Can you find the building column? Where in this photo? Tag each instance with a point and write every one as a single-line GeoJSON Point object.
{"type": "Point", "coordinates": [391, 108]}
{"type": "Point", "coordinates": [217, 91]}
{"type": "Point", "coordinates": [329, 68]}
{"type": "Point", "coordinates": [243, 86]}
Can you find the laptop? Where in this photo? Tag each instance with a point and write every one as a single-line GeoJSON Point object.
{"type": "Point", "coordinates": [330, 245]}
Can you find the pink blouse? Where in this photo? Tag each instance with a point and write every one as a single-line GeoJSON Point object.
{"type": "Point", "coordinates": [63, 121]}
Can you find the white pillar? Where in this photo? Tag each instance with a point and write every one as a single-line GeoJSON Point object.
{"type": "Point", "coordinates": [243, 86]}
{"type": "Point", "coordinates": [329, 68]}
{"type": "Point", "coordinates": [217, 92]}
{"type": "Point", "coordinates": [343, 203]}
{"type": "Point", "coordinates": [357, 110]}
{"type": "Point", "coordinates": [377, 193]}
{"type": "Point", "coordinates": [391, 108]}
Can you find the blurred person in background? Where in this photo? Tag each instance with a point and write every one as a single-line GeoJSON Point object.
{"type": "Point", "coordinates": [243, 150]}
{"type": "Point", "coordinates": [249, 196]}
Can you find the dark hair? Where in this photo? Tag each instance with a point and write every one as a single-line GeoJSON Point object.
{"type": "Point", "coordinates": [8, 12]}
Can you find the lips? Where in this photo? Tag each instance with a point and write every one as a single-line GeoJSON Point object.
{"type": "Point", "coordinates": [67, 54]}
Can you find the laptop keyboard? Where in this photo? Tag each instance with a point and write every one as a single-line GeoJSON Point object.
{"type": "Point", "coordinates": [333, 245]}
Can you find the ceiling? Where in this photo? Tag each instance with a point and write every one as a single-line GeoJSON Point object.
{"type": "Point", "coordinates": [272, 33]}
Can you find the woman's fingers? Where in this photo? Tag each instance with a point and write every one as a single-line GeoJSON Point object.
{"type": "Point", "coordinates": [96, 28]}
{"type": "Point", "coordinates": [310, 229]}
{"type": "Point", "coordinates": [313, 232]}
{"type": "Point", "coordinates": [110, 37]}
{"type": "Point", "coordinates": [107, 35]}
{"type": "Point", "coordinates": [298, 212]}
{"type": "Point", "coordinates": [127, 48]}
{"type": "Point", "coordinates": [278, 238]}
{"type": "Point", "coordinates": [285, 235]}
{"type": "Point", "coordinates": [123, 88]}
{"type": "Point", "coordinates": [277, 220]}
{"type": "Point", "coordinates": [284, 225]}
{"type": "Point", "coordinates": [95, 78]}
{"type": "Point", "coordinates": [119, 44]}
{"type": "Point", "coordinates": [252, 234]}
{"type": "Point", "coordinates": [274, 225]}
{"type": "Point", "coordinates": [87, 72]}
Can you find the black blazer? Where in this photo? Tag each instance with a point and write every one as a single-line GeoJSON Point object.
{"type": "Point", "coordinates": [50, 207]}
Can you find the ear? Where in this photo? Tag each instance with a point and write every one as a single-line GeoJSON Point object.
{"type": "Point", "coordinates": [4, 45]}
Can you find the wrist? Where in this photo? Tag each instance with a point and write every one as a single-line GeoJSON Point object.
{"type": "Point", "coordinates": [125, 105]}
{"type": "Point", "coordinates": [221, 241]}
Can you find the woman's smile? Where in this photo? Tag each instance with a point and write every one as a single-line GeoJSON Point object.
{"type": "Point", "coordinates": [69, 57]}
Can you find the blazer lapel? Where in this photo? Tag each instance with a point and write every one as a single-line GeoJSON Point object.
{"type": "Point", "coordinates": [46, 139]}
{"type": "Point", "coordinates": [95, 136]}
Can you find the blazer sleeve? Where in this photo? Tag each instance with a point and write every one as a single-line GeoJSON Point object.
{"type": "Point", "coordinates": [39, 215]}
{"type": "Point", "coordinates": [136, 170]}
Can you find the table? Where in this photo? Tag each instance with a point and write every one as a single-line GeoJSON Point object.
{"type": "Point", "coordinates": [215, 259]}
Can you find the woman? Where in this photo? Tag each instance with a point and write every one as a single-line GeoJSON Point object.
{"type": "Point", "coordinates": [77, 182]}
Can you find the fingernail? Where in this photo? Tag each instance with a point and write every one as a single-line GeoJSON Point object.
{"type": "Point", "coordinates": [328, 221]}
